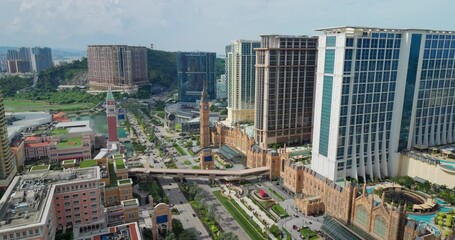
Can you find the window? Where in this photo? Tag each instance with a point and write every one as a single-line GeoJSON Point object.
{"type": "Point", "coordinates": [379, 226]}
{"type": "Point", "coordinates": [361, 216]}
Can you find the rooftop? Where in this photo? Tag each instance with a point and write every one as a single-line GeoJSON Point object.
{"type": "Point", "coordinates": [40, 167]}
{"type": "Point", "coordinates": [376, 29]}
{"type": "Point", "coordinates": [84, 123]}
{"type": "Point", "coordinates": [119, 164]}
{"type": "Point", "coordinates": [28, 198]}
{"type": "Point", "coordinates": [59, 131]}
{"type": "Point", "coordinates": [24, 120]}
{"type": "Point", "coordinates": [129, 231]}
{"type": "Point", "coordinates": [88, 163]}
{"type": "Point", "coordinates": [69, 143]}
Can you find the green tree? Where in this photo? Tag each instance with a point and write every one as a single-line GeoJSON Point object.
{"type": "Point", "coordinates": [228, 236]}
{"type": "Point", "coordinates": [187, 235]}
{"type": "Point", "coordinates": [171, 236]}
{"type": "Point", "coordinates": [177, 227]}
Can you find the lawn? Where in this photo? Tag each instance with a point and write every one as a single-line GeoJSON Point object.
{"type": "Point", "coordinates": [124, 181]}
{"type": "Point", "coordinates": [20, 105]}
{"type": "Point", "coordinates": [195, 167]}
{"type": "Point", "coordinates": [88, 163]}
{"type": "Point", "coordinates": [112, 176]}
{"type": "Point", "coordinates": [40, 167]}
{"type": "Point", "coordinates": [308, 234]}
{"type": "Point", "coordinates": [250, 227]}
{"type": "Point", "coordinates": [187, 162]}
{"type": "Point", "coordinates": [276, 194]}
{"type": "Point", "coordinates": [59, 131]}
{"type": "Point", "coordinates": [70, 143]}
{"type": "Point", "coordinates": [179, 149]}
{"type": "Point", "coordinates": [119, 164]}
{"type": "Point", "coordinates": [279, 211]}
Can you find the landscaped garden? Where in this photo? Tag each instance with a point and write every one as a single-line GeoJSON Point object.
{"type": "Point", "coordinates": [279, 211]}
{"type": "Point", "coordinates": [250, 227]}
{"type": "Point", "coordinates": [154, 188]}
{"type": "Point", "coordinates": [308, 234]}
{"type": "Point", "coordinates": [179, 149]}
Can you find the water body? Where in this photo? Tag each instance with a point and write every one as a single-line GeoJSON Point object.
{"type": "Point", "coordinates": [99, 122]}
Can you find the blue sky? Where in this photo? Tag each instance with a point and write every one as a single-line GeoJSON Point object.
{"type": "Point", "coordinates": [204, 25]}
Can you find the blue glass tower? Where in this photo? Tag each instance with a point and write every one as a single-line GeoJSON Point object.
{"type": "Point", "coordinates": [193, 68]}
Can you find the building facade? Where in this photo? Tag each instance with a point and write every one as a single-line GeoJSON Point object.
{"type": "Point", "coordinates": [7, 159]}
{"type": "Point", "coordinates": [193, 69]}
{"type": "Point", "coordinates": [41, 58]}
{"type": "Point", "coordinates": [351, 207]}
{"type": "Point", "coordinates": [379, 92]}
{"type": "Point", "coordinates": [121, 67]}
{"type": "Point", "coordinates": [285, 78]}
{"type": "Point", "coordinates": [221, 87]}
{"type": "Point", "coordinates": [240, 78]}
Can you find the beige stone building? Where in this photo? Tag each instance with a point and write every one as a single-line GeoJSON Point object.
{"type": "Point", "coordinates": [349, 205]}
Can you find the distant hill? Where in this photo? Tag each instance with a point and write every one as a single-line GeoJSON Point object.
{"type": "Point", "coordinates": [162, 68]}
{"type": "Point", "coordinates": [65, 74]}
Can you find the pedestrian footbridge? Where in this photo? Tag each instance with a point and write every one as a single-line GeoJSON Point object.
{"type": "Point", "coordinates": [229, 175]}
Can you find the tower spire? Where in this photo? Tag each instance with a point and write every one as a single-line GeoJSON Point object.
{"type": "Point", "coordinates": [204, 91]}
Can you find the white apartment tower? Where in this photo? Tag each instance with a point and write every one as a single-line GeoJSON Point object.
{"type": "Point", "coordinates": [240, 77]}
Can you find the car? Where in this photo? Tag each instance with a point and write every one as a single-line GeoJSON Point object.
{"type": "Point", "coordinates": [294, 227]}
{"type": "Point", "coordinates": [296, 215]}
{"type": "Point", "coordinates": [194, 214]}
{"type": "Point", "coordinates": [181, 202]}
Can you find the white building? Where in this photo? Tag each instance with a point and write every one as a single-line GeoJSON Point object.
{"type": "Point", "coordinates": [379, 92]}
{"type": "Point", "coordinates": [240, 80]}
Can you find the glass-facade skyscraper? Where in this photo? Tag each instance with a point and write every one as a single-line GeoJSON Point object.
{"type": "Point", "coordinates": [193, 68]}
{"type": "Point", "coordinates": [285, 78]}
{"type": "Point", "coordinates": [240, 77]}
{"type": "Point", "coordinates": [379, 92]}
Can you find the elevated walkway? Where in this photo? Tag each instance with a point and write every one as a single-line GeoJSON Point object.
{"type": "Point", "coordinates": [229, 175]}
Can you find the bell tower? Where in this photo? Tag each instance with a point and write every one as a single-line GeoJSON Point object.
{"type": "Point", "coordinates": [204, 114]}
{"type": "Point", "coordinates": [111, 112]}
{"type": "Point", "coordinates": [206, 156]}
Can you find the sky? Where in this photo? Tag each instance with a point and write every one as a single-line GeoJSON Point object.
{"type": "Point", "coordinates": [201, 25]}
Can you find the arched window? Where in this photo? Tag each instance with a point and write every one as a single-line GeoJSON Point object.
{"type": "Point", "coordinates": [380, 226]}
{"type": "Point", "coordinates": [361, 215]}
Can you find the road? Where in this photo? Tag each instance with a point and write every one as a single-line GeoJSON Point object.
{"type": "Point", "coordinates": [187, 215]}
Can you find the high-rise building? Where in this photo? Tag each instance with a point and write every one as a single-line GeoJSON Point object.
{"type": "Point", "coordinates": [221, 87]}
{"type": "Point", "coordinates": [7, 160]}
{"type": "Point", "coordinates": [18, 61]}
{"type": "Point", "coordinates": [111, 112]}
{"type": "Point", "coordinates": [379, 92]}
{"type": "Point", "coordinates": [240, 77]}
{"type": "Point", "coordinates": [285, 76]}
{"type": "Point", "coordinates": [41, 58]}
{"type": "Point", "coordinates": [17, 66]}
{"type": "Point", "coordinates": [25, 54]}
{"type": "Point", "coordinates": [120, 67]}
{"type": "Point", "coordinates": [12, 54]}
{"type": "Point", "coordinates": [193, 69]}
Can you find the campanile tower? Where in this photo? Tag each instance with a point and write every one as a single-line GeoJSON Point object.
{"type": "Point", "coordinates": [111, 112]}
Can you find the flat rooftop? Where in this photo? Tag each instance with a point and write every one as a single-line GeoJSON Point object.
{"type": "Point", "coordinates": [69, 143]}
{"type": "Point", "coordinates": [129, 231]}
{"type": "Point", "coordinates": [27, 200]}
{"type": "Point", "coordinates": [379, 29]}
{"type": "Point", "coordinates": [85, 123]}
{"type": "Point", "coordinates": [24, 120]}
